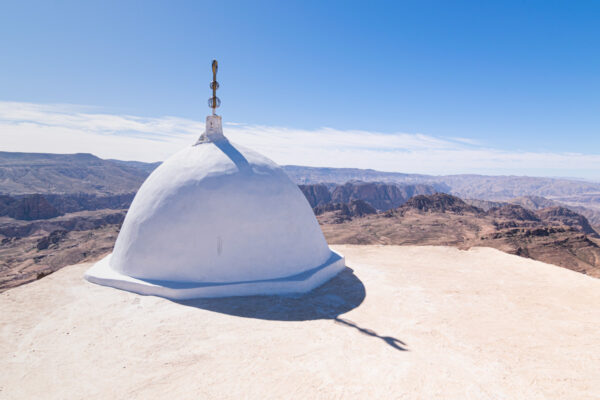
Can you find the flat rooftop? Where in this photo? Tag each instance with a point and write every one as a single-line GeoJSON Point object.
{"type": "Point", "coordinates": [401, 322]}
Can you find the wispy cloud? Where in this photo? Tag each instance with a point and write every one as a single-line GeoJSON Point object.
{"type": "Point", "coordinates": [31, 127]}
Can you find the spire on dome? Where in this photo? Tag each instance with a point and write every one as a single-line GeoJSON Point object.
{"type": "Point", "coordinates": [214, 128]}
{"type": "Point", "coordinates": [214, 101]}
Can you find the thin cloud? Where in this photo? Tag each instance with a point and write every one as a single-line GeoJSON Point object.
{"type": "Point", "coordinates": [29, 127]}
{"type": "Point", "coordinates": [466, 141]}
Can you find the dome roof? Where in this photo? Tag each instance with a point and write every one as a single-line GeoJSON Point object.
{"type": "Point", "coordinates": [215, 215]}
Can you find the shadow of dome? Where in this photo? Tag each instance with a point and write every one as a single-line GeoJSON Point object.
{"type": "Point", "coordinates": [339, 295]}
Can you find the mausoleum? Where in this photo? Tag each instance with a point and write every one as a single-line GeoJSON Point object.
{"type": "Point", "coordinates": [217, 219]}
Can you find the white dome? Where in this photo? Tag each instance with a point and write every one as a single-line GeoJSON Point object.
{"type": "Point", "coordinates": [216, 214]}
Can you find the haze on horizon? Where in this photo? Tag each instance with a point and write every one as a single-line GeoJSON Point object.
{"type": "Point", "coordinates": [414, 87]}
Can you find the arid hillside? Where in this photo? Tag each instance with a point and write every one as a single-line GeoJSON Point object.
{"type": "Point", "coordinates": [60, 209]}
{"type": "Point", "coordinates": [495, 188]}
{"type": "Point", "coordinates": [30, 173]}
{"type": "Point", "coordinates": [553, 235]}
{"type": "Point", "coordinates": [30, 250]}
{"type": "Point", "coordinates": [382, 196]}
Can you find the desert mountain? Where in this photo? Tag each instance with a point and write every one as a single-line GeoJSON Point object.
{"type": "Point", "coordinates": [29, 173]}
{"type": "Point", "coordinates": [566, 217]}
{"type": "Point", "coordinates": [533, 202]}
{"type": "Point", "coordinates": [30, 250]}
{"type": "Point", "coordinates": [307, 175]}
{"type": "Point", "coordinates": [29, 207]}
{"type": "Point", "coordinates": [381, 196]}
{"type": "Point", "coordinates": [592, 213]}
{"type": "Point", "coordinates": [485, 205]}
{"type": "Point", "coordinates": [438, 202]}
{"type": "Point", "coordinates": [552, 235]}
{"type": "Point", "coordinates": [45, 206]}
{"type": "Point", "coordinates": [341, 212]}
{"type": "Point", "coordinates": [496, 188]}
{"type": "Point", "coordinates": [514, 213]}
{"type": "Point", "coordinates": [147, 168]}
{"type": "Point", "coordinates": [316, 194]}
{"type": "Point", "coordinates": [61, 209]}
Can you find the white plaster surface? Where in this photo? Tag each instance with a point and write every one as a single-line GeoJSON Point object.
{"type": "Point", "coordinates": [103, 274]}
{"type": "Point", "coordinates": [408, 323]}
{"type": "Point", "coordinates": [216, 213]}
{"type": "Point", "coordinates": [213, 129]}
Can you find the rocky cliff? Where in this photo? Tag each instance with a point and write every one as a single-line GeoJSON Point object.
{"type": "Point", "coordinates": [28, 173]}
{"type": "Point", "coordinates": [553, 235]}
{"type": "Point", "coordinates": [382, 196]}
{"type": "Point", "coordinates": [316, 194]}
{"type": "Point", "coordinates": [27, 208]}
{"type": "Point", "coordinates": [566, 217]}
{"type": "Point", "coordinates": [439, 202]}
{"type": "Point", "coordinates": [45, 206]}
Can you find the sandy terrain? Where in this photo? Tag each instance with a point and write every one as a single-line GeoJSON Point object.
{"type": "Point", "coordinates": [408, 322]}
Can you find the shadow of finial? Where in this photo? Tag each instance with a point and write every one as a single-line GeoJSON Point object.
{"type": "Point", "coordinates": [392, 341]}
{"type": "Point", "coordinates": [233, 154]}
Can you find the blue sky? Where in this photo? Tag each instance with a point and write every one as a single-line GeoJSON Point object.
{"type": "Point", "coordinates": [510, 77]}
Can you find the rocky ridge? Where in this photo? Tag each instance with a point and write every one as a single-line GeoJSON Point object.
{"type": "Point", "coordinates": [381, 196]}
{"type": "Point", "coordinates": [39, 173]}
{"type": "Point", "coordinates": [552, 235]}
{"type": "Point", "coordinates": [30, 250]}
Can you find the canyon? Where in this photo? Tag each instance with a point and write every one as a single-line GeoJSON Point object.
{"type": "Point", "coordinates": [58, 210]}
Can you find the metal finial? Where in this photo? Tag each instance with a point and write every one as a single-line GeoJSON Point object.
{"type": "Point", "coordinates": [214, 101]}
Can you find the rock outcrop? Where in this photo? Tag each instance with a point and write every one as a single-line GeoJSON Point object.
{"type": "Point", "coordinates": [28, 208]}
{"type": "Point", "coordinates": [27, 173]}
{"type": "Point", "coordinates": [45, 206]}
{"type": "Point", "coordinates": [316, 194]}
{"type": "Point", "coordinates": [83, 221]}
{"type": "Point", "coordinates": [439, 202]}
{"type": "Point", "coordinates": [554, 235]}
{"type": "Point", "coordinates": [355, 208]}
{"type": "Point", "coordinates": [382, 196]}
{"type": "Point", "coordinates": [513, 212]}
{"type": "Point", "coordinates": [565, 216]}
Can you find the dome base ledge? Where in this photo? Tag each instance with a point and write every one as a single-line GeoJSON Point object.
{"type": "Point", "coordinates": [101, 273]}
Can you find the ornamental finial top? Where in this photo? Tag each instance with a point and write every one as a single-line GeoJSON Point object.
{"type": "Point", "coordinates": [214, 101]}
